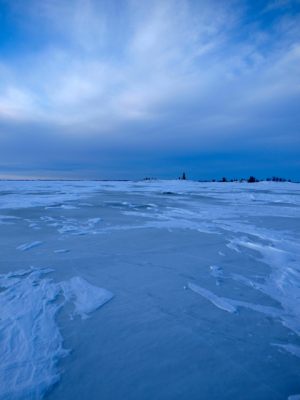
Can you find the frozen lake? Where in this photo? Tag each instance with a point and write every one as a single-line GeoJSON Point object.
{"type": "Point", "coordinates": [149, 290]}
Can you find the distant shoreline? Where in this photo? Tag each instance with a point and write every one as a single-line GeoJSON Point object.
{"type": "Point", "coordinates": [243, 180]}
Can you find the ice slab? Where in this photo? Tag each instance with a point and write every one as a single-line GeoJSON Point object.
{"type": "Point", "coordinates": [219, 302]}
{"type": "Point", "coordinates": [86, 297]}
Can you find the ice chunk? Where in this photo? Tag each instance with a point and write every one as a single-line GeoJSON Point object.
{"type": "Point", "coordinates": [216, 271]}
{"type": "Point", "coordinates": [220, 302]}
{"type": "Point", "coordinates": [290, 348]}
{"type": "Point", "coordinates": [34, 225]}
{"type": "Point", "coordinates": [28, 246]}
{"type": "Point", "coordinates": [231, 305]}
{"type": "Point", "coordinates": [86, 297]}
{"type": "Point", "coordinates": [93, 221]}
{"type": "Point", "coordinates": [63, 206]}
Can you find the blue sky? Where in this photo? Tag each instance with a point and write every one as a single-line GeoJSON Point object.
{"type": "Point", "coordinates": [127, 88]}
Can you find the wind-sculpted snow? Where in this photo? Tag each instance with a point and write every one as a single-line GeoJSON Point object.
{"type": "Point", "coordinates": [283, 283]}
{"type": "Point", "coordinates": [278, 249]}
{"type": "Point", "coordinates": [31, 343]}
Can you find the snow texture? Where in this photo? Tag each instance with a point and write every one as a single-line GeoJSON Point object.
{"type": "Point", "coordinates": [234, 333]}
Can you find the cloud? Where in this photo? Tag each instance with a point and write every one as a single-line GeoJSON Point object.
{"type": "Point", "coordinates": [165, 74]}
{"type": "Point", "coordinates": [152, 64]}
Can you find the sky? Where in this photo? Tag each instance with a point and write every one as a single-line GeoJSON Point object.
{"type": "Point", "coordinates": [127, 89]}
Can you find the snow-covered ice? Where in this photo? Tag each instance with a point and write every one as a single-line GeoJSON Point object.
{"type": "Point", "coordinates": [234, 333]}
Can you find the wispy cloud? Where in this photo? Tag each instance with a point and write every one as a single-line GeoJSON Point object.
{"type": "Point", "coordinates": [196, 69]}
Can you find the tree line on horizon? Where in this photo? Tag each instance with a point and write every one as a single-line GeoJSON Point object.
{"type": "Point", "coordinates": [251, 179]}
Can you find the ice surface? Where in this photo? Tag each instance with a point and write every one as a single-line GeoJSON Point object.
{"type": "Point", "coordinates": [7, 219]}
{"type": "Point", "coordinates": [234, 334]}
